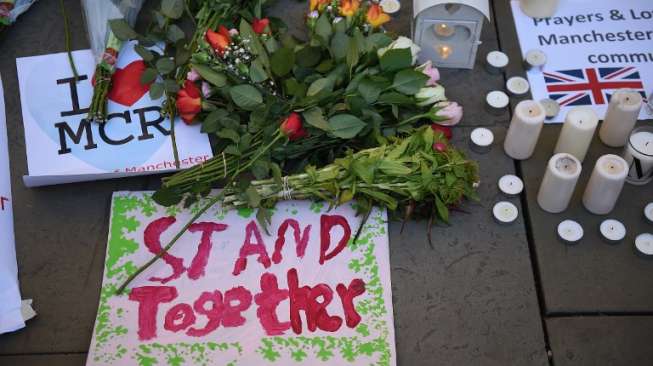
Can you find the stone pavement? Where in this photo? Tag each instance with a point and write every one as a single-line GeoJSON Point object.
{"type": "Point", "coordinates": [484, 295]}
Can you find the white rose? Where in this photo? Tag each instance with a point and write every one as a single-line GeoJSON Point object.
{"type": "Point", "coordinates": [430, 95]}
{"type": "Point", "coordinates": [399, 43]}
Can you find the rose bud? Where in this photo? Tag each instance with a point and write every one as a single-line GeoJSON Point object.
{"type": "Point", "coordinates": [452, 112]}
{"type": "Point", "coordinates": [292, 127]}
{"type": "Point", "coordinates": [440, 147]}
{"type": "Point", "coordinates": [446, 131]}
{"type": "Point", "coordinates": [189, 102]}
{"type": "Point", "coordinates": [259, 25]}
{"type": "Point", "coordinates": [220, 40]}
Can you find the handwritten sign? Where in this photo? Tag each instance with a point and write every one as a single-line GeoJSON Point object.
{"type": "Point", "coordinates": [10, 316]}
{"type": "Point", "coordinates": [593, 47]}
{"type": "Point", "coordinates": [228, 293]}
{"type": "Point", "coordinates": [63, 146]}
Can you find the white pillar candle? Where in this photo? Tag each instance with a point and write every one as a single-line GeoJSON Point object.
{"type": "Point", "coordinates": [518, 86]}
{"type": "Point", "coordinates": [511, 185]}
{"type": "Point", "coordinates": [621, 117]}
{"type": "Point", "coordinates": [534, 60]}
{"type": "Point", "coordinates": [577, 132]}
{"type": "Point", "coordinates": [390, 6]}
{"type": "Point", "coordinates": [539, 8]}
{"type": "Point", "coordinates": [644, 244]}
{"type": "Point", "coordinates": [639, 156]}
{"type": "Point", "coordinates": [570, 231]}
{"type": "Point", "coordinates": [524, 130]}
{"type": "Point", "coordinates": [605, 184]}
{"type": "Point", "coordinates": [551, 108]}
{"type": "Point", "coordinates": [505, 212]}
{"type": "Point", "coordinates": [496, 102]}
{"type": "Point", "coordinates": [481, 140]}
{"type": "Point", "coordinates": [612, 231]}
{"type": "Point", "coordinates": [496, 62]}
{"type": "Point", "coordinates": [648, 213]}
{"type": "Point", "coordinates": [559, 182]}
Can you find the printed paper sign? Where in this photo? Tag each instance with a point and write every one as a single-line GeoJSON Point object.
{"type": "Point", "coordinates": [230, 294]}
{"type": "Point", "coordinates": [593, 48]}
{"type": "Point", "coordinates": [10, 303]}
{"type": "Point", "coordinates": [63, 146]}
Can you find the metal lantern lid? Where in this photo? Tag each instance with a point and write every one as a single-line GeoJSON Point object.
{"type": "Point", "coordinates": [481, 5]}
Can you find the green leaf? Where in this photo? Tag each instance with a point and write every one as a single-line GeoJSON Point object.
{"type": "Point", "coordinates": [175, 33]}
{"type": "Point", "coordinates": [216, 78]}
{"type": "Point", "coordinates": [232, 150]}
{"type": "Point", "coordinates": [282, 61]}
{"type": "Point", "coordinates": [211, 124]}
{"type": "Point", "coordinates": [122, 30]}
{"type": "Point", "coordinates": [315, 118]}
{"type": "Point", "coordinates": [148, 76]}
{"type": "Point", "coordinates": [396, 59]}
{"type": "Point", "coordinates": [145, 54]}
{"type": "Point", "coordinates": [170, 85]}
{"type": "Point", "coordinates": [308, 56]}
{"type": "Point", "coordinates": [443, 212]}
{"type": "Point", "coordinates": [260, 169]}
{"type": "Point", "coordinates": [377, 40]}
{"type": "Point", "coordinates": [172, 8]}
{"type": "Point", "coordinates": [323, 27]}
{"type": "Point", "coordinates": [253, 198]}
{"type": "Point", "coordinates": [345, 126]}
{"type": "Point", "coordinates": [166, 197]}
{"type": "Point", "coordinates": [246, 96]}
{"type": "Point", "coordinates": [294, 88]}
{"type": "Point", "coordinates": [229, 134]}
{"type": "Point", "coordinates": [156, 91]}
{"type": "Point", "coordinates": [369, 90]}
{"type": "Point", "coordinates": [165, 65]}
{"type": "Point", "coordinates": [256, 71]}
{"type": "Point", "coordinates": [352, 52]}
{"type": "Point", "coordinates": [409, 81]}
{"type": "Point", "coordinates": [339, 46]}
{"type": "Point", "coordinates": [395, 98]}
{"type": "Point", "coordinates": [320, 85]}
{"type": "Point", "coordinates": [246, 32]}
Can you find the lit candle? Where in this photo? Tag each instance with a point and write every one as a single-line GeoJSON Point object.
{"type": "Point", "coordinates": [444, 30]}
{"type": "Point", "coordinates": [612, 231]}
{"type": "Point", "coordinates": [444, 51]}
{"type": "Point", "coordinates": [535, 60]}
{"type": "Point", "coordinates": [481, 140]}
{"type": "Point", "coordinates": [511, 185]}
{"type": "Point", "coordinates": [559, 182]}
{"type": "Point", "coordinates": [577, 132]}
{"type": "Point", "coordinates": [644, 244]}
{"type": "Point", "coordinates": [648, 213]}
{"type": "Point", "coordinates": [621, 117]}
{"type": "Point", "coordinates": [524, 130]}
{"type": "Point", "coordinates": [390, 6]}
{"type": "Point", "coordinates": [551, 108]}
{"type": "Point", "coordinates": [639, 156]}
{"type": "Point", "coordinates": [518, 86]}
{"type": "Point", "coordinates": [570, 232]}
{"type": "Point", "coordinates": [539, 8]}
{"type": "Point", "coordinates": [496, 102]}
{"type": "Point", "coordinates": [605, 184]}
{"type": "Point", "coordinates": [505, 212]}
{"type": "Point", "coordinates": [496, 62]}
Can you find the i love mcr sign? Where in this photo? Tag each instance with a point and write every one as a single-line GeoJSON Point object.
{"type": "Point", "coordinates": [231, 292]}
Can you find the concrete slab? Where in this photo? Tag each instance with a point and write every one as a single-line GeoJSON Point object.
{"type": "Point", "coordinates": [591, 341]}
{"type": "Point", "coordinates": [76, 359]}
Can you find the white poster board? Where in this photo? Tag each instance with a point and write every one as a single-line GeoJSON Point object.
{"type": "Point", "coordinates": [593, 47]}
{"type": "Point", "coordinates": [62, 146]}
{"type": "Point", "coordinates": [10, 303]}
{"type": "Point", "coordinates": [229, 294]}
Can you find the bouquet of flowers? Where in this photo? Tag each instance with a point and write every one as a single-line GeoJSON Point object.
{"type": "Point", "coordinates": [11, 9]}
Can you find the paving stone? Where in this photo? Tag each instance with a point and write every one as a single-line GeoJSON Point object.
{"type": "Point", "coordinates": [592, 341]}
{"type": "Point", "coordinates": [76, 359]}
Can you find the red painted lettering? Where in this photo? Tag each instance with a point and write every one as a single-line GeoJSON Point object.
{"type": "Point", "coordinates": [198, 265]}
{"type": "Point", "coordinates": [250, 248]}
{"type": "Point", "coordinates": [232, 312]}
{"type": "Point", "coordinates": [214, 313]}
{"type": "Point", "coordinates": [300, 242]}
{"type": "Point", "coordinates": [149, 298]}
{"type": "Point", "coordinates": [306, 298]}
{"type": "Point", "coordinates": [179, 317]}
{"type": "Point", "coordinates": [347, 295]}
{"type": "Point", "coordinates": [152, 240]}
{"type": "Point", "coordinates": [267, 302]}
{"type": "Point", "coordinates": [327, 222]}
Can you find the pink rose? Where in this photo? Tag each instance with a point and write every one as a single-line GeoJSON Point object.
{"type": "Point", "coordinates": [206, 89]}
{"type": "Point", "coordinates": [192, 75]}
{"type": "Point", "coordinates": [233, 32]}
{"type": "Point", "coordinates": [430, 71]}
{"type": "Point", "coordinates": [452, 112]}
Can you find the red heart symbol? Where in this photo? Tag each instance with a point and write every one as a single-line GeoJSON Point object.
{"type": "Point", "coordinates": [126, 87]}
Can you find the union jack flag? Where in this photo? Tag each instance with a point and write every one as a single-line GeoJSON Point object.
{"type": "Point", "coordinates": [591, 86]}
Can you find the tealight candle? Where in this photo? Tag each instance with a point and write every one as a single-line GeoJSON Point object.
{"type": "Point", "coordinates": [390, 6]}
{"type": "Point", "coordinates": [644, 244]}
{"type": "Point", "coordinates": [559, 183]}
{"type": "Point", "coordinates": [505, 212]}
{"type": "Point", "coordinates": [648, 212]}
{"type": "Point", "coordinates": [577, 132]}
{"type": "Point", "coordinates": [539, 8]}
{"type": "Point", "coordinates": [570, 232]}
{"type": "Point", "coordinates": [639, 156]}
{"type": "Point", "coordinates": [496, 62]}
{"type": "Point", "coordinates": [621, 117]}
{"type": "Point", "coordinates": [524, 130]}
{"type": "Point", "coordinates": [496, 102]}
{"type": "Point", "coordinates": [605, 184]}
{"type": "Point", "coordinates": [535, 60]}
{"type": "Point", "coordinates": [551, 108]}
{"type": "Point", "coordinates": [612, 231]}
{"type": "Point", "coordinates": [481, 140]}
{"type": "Point", "coordinates": [444, 30]}
{"type": "Point", "coordinates": [518, 86]}
{"type": "Point", "coordinates": [511, 185]}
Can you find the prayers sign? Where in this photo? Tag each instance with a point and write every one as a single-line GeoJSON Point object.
{"type": "Point", "coordinates": [593, 48]}
{"type": "Point", "coordinates": [232, 292]}
{"type": "Point", "coordinates": [64, 146]}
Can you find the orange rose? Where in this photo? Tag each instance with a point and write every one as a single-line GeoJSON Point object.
{"type": "Point", "coordinates": [376, 17]}
{"type": "Point", "coordinates": [318, 4]}
{"type": "Point", "coordinates": [349, 7]}
{"type": "Point", "coordinates": [219, 40]}
{"type": "Point", "coordinates": [189, 102]}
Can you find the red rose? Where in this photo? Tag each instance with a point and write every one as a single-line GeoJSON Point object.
{"type": "Point", "coordinates": [292, 127]}
{"type": "Point", "coordinates": [189, 102]}
{"type": "Point", "coordinates": [440, 147]}
{"type": "Point", "coordinates": [446, 131]}
{"type": "Point", "coordinates": [219, 40]}
{"type": "Point", "coordinates": [259, 25]}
